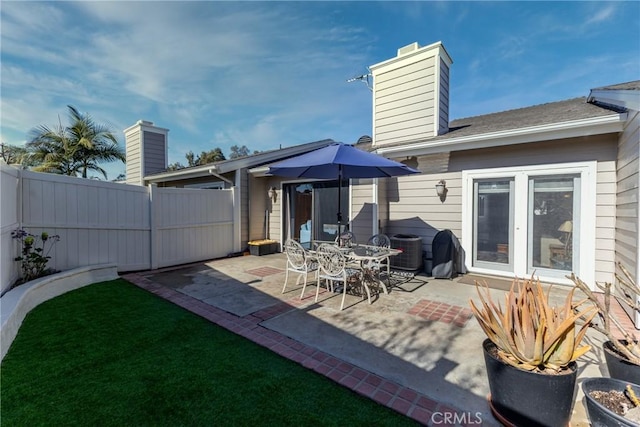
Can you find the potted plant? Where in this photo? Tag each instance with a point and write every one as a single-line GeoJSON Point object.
{"type": "Point", "coordinates": [530, 353]}
{"type": "Point", "coordinates": [263, 247]}
{"type": "Point", "coordinates": [612, 402]}
{"type": "Point", "coordinates": [622, 356]}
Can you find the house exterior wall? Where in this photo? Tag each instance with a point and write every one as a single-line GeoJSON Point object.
{"type": "Point", "coordinates": [265, 216]}
{"type": "Point", "coordinates": [420, 211]}
{"type": "Point", "coordinates": [627, 234]}
{"type": "Point", "coordinates": [362, 209]}
{"type": "Point", "coordinates": [410, 95]}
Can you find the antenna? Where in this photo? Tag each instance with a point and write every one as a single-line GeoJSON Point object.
{"type": "Point", "coordinates": [364, 78]}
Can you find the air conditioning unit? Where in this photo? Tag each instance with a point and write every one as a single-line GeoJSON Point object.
{"type": "Point", "coordinates": [411, 256]}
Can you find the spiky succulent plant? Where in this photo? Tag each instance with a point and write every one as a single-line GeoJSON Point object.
{"type": "Point", "coordinates": [528, 332]}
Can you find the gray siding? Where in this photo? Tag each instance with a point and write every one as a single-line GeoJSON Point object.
{"type": "Point", "coordinates": [443, 115]}
{"type": "Point", "coordinates": [627, 235]}
{"type": "Point", "coordinates": [132, 149]}
{"type": "Point", "coordinates": [154, 152]}
{"type": "Point", "coordinates": [419, 210]}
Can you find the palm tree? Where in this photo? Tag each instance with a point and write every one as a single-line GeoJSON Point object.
{"type": "Point", "coordinates": [77, 148]}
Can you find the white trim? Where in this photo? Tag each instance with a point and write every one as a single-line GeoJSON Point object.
{"type": "Point", "coordinates": [576, 128]}
{"type": "Point", "coordinates": [434, 49]}
{"type": "Point", "coordinates": [587, 241]}
{"type": "Point", "coordinates": [375, 214]}
{"type": "Point", "coordinates": [436, 97]}
{"type": "Point", "coordinates": [622, 98]}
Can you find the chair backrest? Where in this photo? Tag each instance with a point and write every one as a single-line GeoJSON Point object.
{"type": "Point", "coordinates": [379, 240]}
{"type": "Point", "coordinates": [331, 259]}
{"type": "Point", "coordinates": [296, 255]}
{"type": "Point", "coordinates": [346, 239]}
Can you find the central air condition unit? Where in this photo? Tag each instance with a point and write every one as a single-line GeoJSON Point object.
{"type": "Point", "coordinates": [411, 256]}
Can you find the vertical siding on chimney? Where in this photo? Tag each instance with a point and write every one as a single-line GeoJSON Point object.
{"type": "Point", "coordinates": [154, 152]}
{"type": "Point", "coordinates": [443, 118]}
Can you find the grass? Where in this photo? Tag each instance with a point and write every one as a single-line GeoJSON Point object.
{"type": "Point", "coordinates": [113, 354]}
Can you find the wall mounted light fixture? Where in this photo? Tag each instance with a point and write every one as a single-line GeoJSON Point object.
{"type": "Point", "coordinates": [441, 189]}
{"type": "Point", "coordinates": [272, 193]}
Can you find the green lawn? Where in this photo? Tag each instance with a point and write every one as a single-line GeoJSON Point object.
{"type": "Point", "coordinates": [113, 354]}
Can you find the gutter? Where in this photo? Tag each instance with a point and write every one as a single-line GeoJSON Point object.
{"type": "Point", "coordinates": [592, 126]}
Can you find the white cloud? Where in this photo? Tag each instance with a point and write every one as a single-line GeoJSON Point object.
{"type": "Point", "coordinates": [602, 15]}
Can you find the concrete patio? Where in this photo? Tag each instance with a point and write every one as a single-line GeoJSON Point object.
{"type": "Point", "coordinates": [416, 350]}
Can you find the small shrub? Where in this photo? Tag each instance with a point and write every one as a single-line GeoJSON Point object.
{"type": "Point", "coordinates": [34, 253]}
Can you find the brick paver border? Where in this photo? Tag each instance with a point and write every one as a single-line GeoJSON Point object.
{"type": "Point", "coordinates": [388, 393]}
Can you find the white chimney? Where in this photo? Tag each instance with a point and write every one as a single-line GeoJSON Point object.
{"type": "Point", "coordinates": [146, 149]}
{"type": "Point", "coordinates": [411, 95]}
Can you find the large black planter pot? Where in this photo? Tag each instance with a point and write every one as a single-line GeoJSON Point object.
{"type": "Point", "coordinates": [526, 398]}
{"type": "Point", "coordinates": [599, 416]}
{"type": "Point", "coordinates": [619, 367]}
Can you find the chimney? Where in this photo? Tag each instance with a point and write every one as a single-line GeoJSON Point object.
{"type": "Point", "coordinates": [146, 150]}
{"type": "Point", "coordinates": [411, 95]}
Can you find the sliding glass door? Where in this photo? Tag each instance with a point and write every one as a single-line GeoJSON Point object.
{"type": "Point", "coordinates": [312, 210]}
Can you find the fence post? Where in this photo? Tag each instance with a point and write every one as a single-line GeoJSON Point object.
{"type": "Point", "coordinates": [154, 252]}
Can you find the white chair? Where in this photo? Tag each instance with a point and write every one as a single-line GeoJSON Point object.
{"type": "Point", "coordinates": [298, 261]}
{"type": "Point", "coordinates": [333, 268]}
{"type": "Point", "coordinates": [381, 241]}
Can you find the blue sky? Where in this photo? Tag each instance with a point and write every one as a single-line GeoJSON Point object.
{"type": "Point", "coordinates": [270, 74]}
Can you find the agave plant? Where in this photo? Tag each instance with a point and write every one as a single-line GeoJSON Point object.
{"type": "Point", "coordinates": [529, 333]}
{"type": "Point", "coordinates": [629, 345]}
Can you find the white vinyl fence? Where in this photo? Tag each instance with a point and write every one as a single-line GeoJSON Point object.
{"type": "Point", "coordinates": [99, 222]}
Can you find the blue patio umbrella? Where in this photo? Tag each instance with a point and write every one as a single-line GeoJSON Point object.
{"type": "Point", "coordinates": [339, 161]}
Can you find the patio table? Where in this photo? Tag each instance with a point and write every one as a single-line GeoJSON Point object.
{"type": "Point", "coordinates": [370, 258]}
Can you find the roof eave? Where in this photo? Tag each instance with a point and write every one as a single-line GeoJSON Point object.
{"type": "Point", "coordinates": [629, 99]}
{"type": "Point", "coordinates": [230, 166]}
{"type": "Point", "coordinates": [592, 126]}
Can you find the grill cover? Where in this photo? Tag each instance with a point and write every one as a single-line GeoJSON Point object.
{"type": "Point", "coordinates": [446, 255]}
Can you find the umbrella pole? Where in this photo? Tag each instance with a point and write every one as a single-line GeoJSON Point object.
{"type": "Point", "coordinates": [339, 199]}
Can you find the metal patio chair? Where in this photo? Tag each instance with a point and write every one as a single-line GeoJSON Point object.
{"type": "Point", "coordinates": [381, 241]}
{"type": "Point", "coordinates": [333, 268]}
{"type": "Point", "coordinates": [299, 261]}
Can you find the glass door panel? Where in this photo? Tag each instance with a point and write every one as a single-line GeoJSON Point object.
{"type": "Point", "coordinates": [326, 209]}
{"type": "Point", "coordinates": [493, 223]}
{"type": "Point", "coordinates": [552, 222]}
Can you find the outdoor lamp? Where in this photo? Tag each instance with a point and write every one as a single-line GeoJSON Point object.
{"type": "Point", "coordinates": [441, 188]}
{"type": "Point", "coordinates": [273, 195]}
